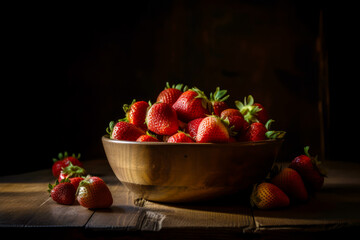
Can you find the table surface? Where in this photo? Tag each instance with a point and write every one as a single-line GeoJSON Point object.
{"type": "Point", "coordinates": [25, 206]}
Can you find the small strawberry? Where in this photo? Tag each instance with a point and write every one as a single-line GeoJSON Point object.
{"type": "Point", "coordinates": [217, 100]}
{"type": "Point", "coordinates": [192, 104]}
{"type": "Point", "coordinates": [136, 113]}
{"type": "Point", "coordinates": [236, 120]}
{"type": "Point", "coordinates": [124, 131]}
{"type": "Point", "coordinates": [71, 171]}
{"type": "Point", "coordinates": [171, 93]}
{"type": "Point", "coordinates": [63, 192]}
{"type": "Point", "coordinates": [180, 137]}
{"type": "Point", "coordinates": [94, 193]}
{"type": "Point", "coordinates": [192, 127]}
{"type": "Point", "coordinates": [64, 160]}
{"type": "Point", "coordinates": [291, 183]}
{"type": "Point", "coordinates": [252, 112]}
{"type": "Point", "coordinates": [147, 138]}
{"type": "Point", "coordinates": [257, 131]}
{"type": "Point", "coordinates": [268, 196]}
{"type": "Point", "coordinates": [212, 130]}
{"type": "Point", "coordinates": [162, 119]}
{"type": "Point", "coordinates": [310, 170]}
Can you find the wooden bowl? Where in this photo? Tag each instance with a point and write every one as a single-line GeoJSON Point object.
{"type": "Point", "coordinates": [184, 172]}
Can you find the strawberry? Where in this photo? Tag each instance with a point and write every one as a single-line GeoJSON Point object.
{"type": "Point", "coordinates": [310, 170]}
{"type": "Point", "coordinates": [71, 171]}
{"type": "Point", "coordinates": [180, 137]}
{"type": "Point", "coordinates": [236, 119]}
{"type": "Point", "coordinates": [94, 193]}
{"type": "Point", "coordinates": [192, 104]}
{"type": "Point", "coordinates": [75, 181]}
{"type": "Point", "coordinates": [162, 119]}
{"type": "Point", "coordinates": [267, 196]}
{"type": "Point", "coordinates": [217, 100]}
{"type": "Point", "coordinates": [136, 113]}
{"type": "Point", "coordinates": [192, 127]}
{"type": "Point", "coordinates": [257, 131]}
{"type": "Point", "coordinates": [64, 160]}
{"type": "Point", "coordinates": [147, 138]}
{"type": "Point", "coordinates": [291, 183]}
{"type": "Point", "coordinates": [124, 131]}
{"type": "Point", "coordinates": [63, 192]}
{"type": "Point", "coordinates": [212, 129]}
{"type": "Point", "coordinates": [171, 93]}
{"type": "Point", "coordinates": [252, 112]}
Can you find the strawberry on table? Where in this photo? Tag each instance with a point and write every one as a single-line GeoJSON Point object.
{"type": "Point", "coordinates": [192, 104]}
{"type": "Point", "coordinates": [124, 131]}
{"type": "Point", "coordinates": [217, 100]}
{"type": "Point", "coordinates": [291, 183]}
{"type": "Point", "coordinates": [212, 130]}
{"type": "Point", "coordinates": [162, 119]}
{"type": "Point", "coordinates": [71, 171]}
{"type": "Point", "coordinates": [310, 170]}
{"type": "Point", "coordinates": [180, 137]}
{"type": "Point", "coordinates": [63, 192]}
{"type": "Point", "coordinates": [135, 113]}
{"type": "Point", "coordinates": [171, 93]}
{"type": "Point", "coordinates": [64, 160]}
{"type": "Point", "coordinates": [268, 196]}
{"type": "Point", "coordinates": [93, 193]}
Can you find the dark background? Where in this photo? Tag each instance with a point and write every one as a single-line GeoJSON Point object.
{"type": "Point", "coordinates": [69, 70]}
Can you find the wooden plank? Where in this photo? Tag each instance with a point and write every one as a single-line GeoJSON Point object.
{"type": "Point", "coordinates": [335, 206]}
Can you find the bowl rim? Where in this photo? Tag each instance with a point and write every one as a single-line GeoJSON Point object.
{"type": "Point", "coordinates": [242, 143]}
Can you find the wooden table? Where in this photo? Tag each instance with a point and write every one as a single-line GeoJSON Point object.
{"type": "Point", "coordinates": [26, 209]}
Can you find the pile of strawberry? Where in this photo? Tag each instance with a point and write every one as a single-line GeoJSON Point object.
{"type": "Point", "coordinates": [188, 115]}
{"type": "Point", "coordinates": [74, 184]}
{"type": "Point", "coordinates": [292, 184]}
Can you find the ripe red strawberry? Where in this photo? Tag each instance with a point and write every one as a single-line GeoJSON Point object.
{"type": "Point", "coordinates": [252, 112]}
{"type": "Point", "coordinates": [124, 131]}
{"type": "Point", "coordinates": [171, 93]}
{"type": "Point", "coordinates": [94, 193]}
{"type": "Point", "coordinates": [217, 100]}
{"type": "Point", "coordinates": [212, 130]}
{"type": "Point", "coordinates": [256, 132]}
{"type": "Point", "coordinates": [75, 181]}
{"type": "Point", "coordinates": [162, 119]}
{"type": "Point", "coordinates": [71, 171]}
{"type": "Point", "coordinates": [291, 183]}
{"type": "Point", "coordinates": [268, 196]}
{"type": "Point", "coordinates": [236, 120]}
{"type": "Point", "coordinates": [192, 127]}
{"type": "Point", "coordinates": [180, 137]}
{"type": "Point", "coordinates": [64, 160]}
{"type": "Point", "coordinates": [136, 113]}
{"type": "Point", "coordinates": [310, 170]}
{"type": "Point", "coordinates": [147, 138]}
{"type": "Point", "coordinates": [63, 192]}
{"type": "Point", "coordinates": [192, 104]}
